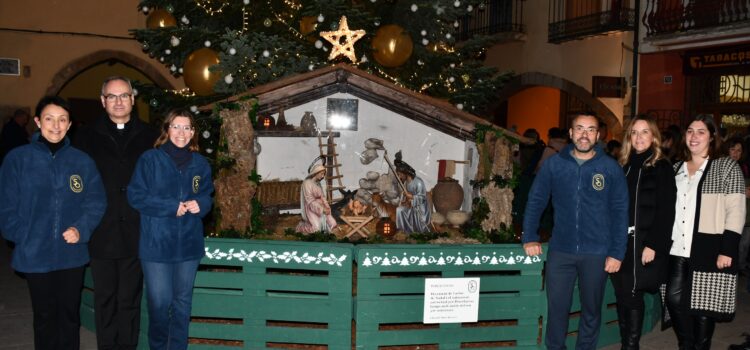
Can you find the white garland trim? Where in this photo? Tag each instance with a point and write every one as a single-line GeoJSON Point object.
{"type": "Point", "coordinates": [440, 260]}
{"type": "Point", "coordinates": [261, 256]}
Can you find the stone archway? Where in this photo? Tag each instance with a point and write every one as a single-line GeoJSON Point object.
{"type": "Point", "coordinates": [77, 66]}
{"type": "Point", "coordinates": [531, 79]}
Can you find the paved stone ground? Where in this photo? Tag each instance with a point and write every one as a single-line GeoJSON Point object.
{"type": "Point", "coordinates": [725, 334]}
{"type": "Point", "coordinates": [16, 319]}
{"type": "Point", "coordinates": [16, 330]}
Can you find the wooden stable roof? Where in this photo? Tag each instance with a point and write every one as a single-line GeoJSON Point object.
{"type": "Point", "coordinates": [342, 78]}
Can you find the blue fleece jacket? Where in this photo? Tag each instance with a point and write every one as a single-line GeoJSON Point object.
{"type": "Point", "coordinates": [156, 190]}
{"type": "Point", "coordinates": [41, 196]}
{"type": "Point", "coordinates": [590, 204]}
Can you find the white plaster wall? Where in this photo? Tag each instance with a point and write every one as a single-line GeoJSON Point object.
{"type": "Point", "coordinates": [287, 158]}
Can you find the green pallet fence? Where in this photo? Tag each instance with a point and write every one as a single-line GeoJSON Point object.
{"type": "Point", "coordinates": [255, 295]}
{"type": "Point", "coordinates": [274, 294]}
{"type": "Point", "coordinates": [390, 293]}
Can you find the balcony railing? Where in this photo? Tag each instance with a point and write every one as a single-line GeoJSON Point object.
{"type": "Point", "coordinates": [578, 19]}
{"type": "Point", "coordinates": [493, 17]}
{"type": "Point", "coordinates": [671, 16]}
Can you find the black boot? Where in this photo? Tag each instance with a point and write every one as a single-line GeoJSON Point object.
{"type": "Point", "coordinates": [622, 322]}
{"type": "Point", "coordinates": [704, 331]}
{"type": "Point", "coordinates": [743, 346]}
{"type": "Point", "coordinates": [633, 328]}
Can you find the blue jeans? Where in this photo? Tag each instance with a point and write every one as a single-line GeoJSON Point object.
{"type": "Point", "coordinates": [169, 292]}
{"type": "Point", "coordinates": [561, 273]}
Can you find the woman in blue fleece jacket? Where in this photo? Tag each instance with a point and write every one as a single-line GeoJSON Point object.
{"type": "Point", "coordinates": [51, 199]}
{"type": "Point", "coordinates": [171, 188]}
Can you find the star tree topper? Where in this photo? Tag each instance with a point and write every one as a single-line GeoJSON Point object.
{"type": "Point", "coordinates": [347, 47]}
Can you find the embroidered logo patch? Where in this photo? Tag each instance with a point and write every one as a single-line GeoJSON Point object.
{"type": "Point", "coordinates": [196, 183]}
{"type": "Point", "coordinates": [76, 184]}
{"type": "Point", "coordinates": [598, 182]}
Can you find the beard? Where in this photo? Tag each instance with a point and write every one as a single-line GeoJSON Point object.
{"type": "Point", "coordinates": [583, 147]}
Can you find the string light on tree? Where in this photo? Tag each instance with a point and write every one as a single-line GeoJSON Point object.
{"type": "Point", "coordinates": [349, 37]}
{"type": "Point", "coordinates": [210, 6]}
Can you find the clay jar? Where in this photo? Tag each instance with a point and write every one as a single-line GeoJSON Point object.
{"type": "Point", "coordinates": [447, 195]}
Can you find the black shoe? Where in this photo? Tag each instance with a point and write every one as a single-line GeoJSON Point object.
{"type": "Point", "coordinates": [743, 346]}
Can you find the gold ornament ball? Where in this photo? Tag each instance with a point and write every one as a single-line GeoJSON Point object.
{"type": "Point", "coordinates": [160, 18]}
{"type": "Point", "coordinates": [392, 46]}
{"type": "Point", "coordinates": [307, 26]}
{"type": "Point", "coordinates": [196, 71]}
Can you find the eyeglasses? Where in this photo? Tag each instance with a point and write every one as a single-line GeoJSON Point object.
{"type": "Point", "coordinates": [121, 97]}
{"type": "Point", "coordinates": [580, 130]}
{"type": "Point", "coordinates": [184, 128]}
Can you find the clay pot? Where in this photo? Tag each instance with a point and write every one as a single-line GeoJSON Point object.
{"type": "Point", "coordinates": [457, 217]}
{"type": "Point", "coordinates": [447, 195]}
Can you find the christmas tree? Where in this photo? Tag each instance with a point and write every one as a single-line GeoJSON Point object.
{"type": "Point", "coordinates": [224, 47]}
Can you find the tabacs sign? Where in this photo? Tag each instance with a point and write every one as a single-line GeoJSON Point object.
{"type": "Point", "coordinates": [724, 60]}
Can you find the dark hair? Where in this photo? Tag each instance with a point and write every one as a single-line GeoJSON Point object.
{"type": "Point", "coordinates": [171, 115]}
{"type": "Point", "coordinates": [612, 144]}
{"type": "Point", "coordinates": [735, 140]}
{"type": "Point", "coordinates": [531, 133]}
{"type": "Point", "coordinates": [714, 147]}
{"type": "Point", "coordinates": [52, 100]}
{"type": "Point", "coordinates": [585, 114]}
{"type": "Point", "coordinates": [556, 133]}
{"type": "Point", "coordinates": [402, 166]}
{"type": "Point", "coordinates": [19, 112]}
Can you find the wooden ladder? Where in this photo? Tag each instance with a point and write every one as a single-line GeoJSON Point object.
{"type": "Point", "coordinates": [333, 171]}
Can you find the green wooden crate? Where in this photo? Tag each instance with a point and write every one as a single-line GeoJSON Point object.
{"type": "Point", "coordinates": [390, 294]}
{"type": "Point", "coordinates": [274, 293]}
{"type": "Point", "coordinates": [252, 294]}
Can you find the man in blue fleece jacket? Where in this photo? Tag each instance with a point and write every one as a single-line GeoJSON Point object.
{"type": "Point", "coordinates": [590, 200]}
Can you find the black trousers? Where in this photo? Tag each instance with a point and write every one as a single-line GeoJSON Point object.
{"type": "Point", "coordinates": [56, 303]}
{"type": "Point", "coordinates": [693, 331]}
{"type": "Point", "coordinates": [118, 285]}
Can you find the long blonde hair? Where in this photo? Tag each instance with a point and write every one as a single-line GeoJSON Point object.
{"type": "Point", "coordinates": [627, 146]}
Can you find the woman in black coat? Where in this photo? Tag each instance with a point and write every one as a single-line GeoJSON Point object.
{"type": "Point", "coordinates": [652, 192]}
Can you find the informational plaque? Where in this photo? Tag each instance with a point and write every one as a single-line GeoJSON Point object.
{"type": "Point", "coordinates": [451, 300]}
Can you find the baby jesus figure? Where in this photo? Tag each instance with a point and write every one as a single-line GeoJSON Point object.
{"type": "Point", "coordinates": [356, 207]}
